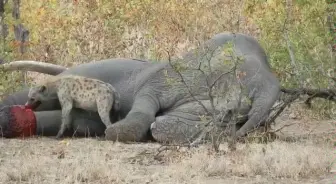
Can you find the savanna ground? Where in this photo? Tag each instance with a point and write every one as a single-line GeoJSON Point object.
{"type": "Point", "coordinates": [297, 36]}
{"type": "Point", "coordinates": [90, 160]}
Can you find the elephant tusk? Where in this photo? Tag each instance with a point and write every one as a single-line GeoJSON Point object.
{"type": "Point", "coordinates": [34, 66]}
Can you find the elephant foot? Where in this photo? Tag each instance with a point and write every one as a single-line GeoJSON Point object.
{"type": "Point", "coordinates": [169, 129]}
{"type": "Point", "coordinates": [158, 134]}
{"type": "Point", "coordinates": [121, 133]}
{"type": "Point", "coordinates": [133, 128]}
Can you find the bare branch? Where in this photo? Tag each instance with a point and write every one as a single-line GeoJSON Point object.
{"type": "Point", "coordinates": [209, 90]}
{"type": "Point", "coordinates": [188, 88]}
{"type": "Point", "coordinates": [211, 86]}
{"type": "Point", "coordinates": [289, 45]}
{"type": "Point", "coordinates": [210, 80]}
{"type": "Point", "coordinates": [329, 94]}
{"type": "Point", "coordinates": [281, 108]}
{"type": "Point", "coordinates": [209, 126]}
{"type": "Point", "coordinates": [290, 51]}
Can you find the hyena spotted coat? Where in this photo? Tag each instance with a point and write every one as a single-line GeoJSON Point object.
{"type": "Point", "coordinates": [77, 91]}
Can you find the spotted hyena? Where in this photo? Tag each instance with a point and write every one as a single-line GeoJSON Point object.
{"type": "Point", "coordinates": [77, 91]}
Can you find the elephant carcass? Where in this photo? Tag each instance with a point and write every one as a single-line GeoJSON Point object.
{"type": "Point", "coordinates": [263, 87]}
{"type": "Point", "coordinates": [180, 97]}
{"type": "Point", "coordinates": [149, 101]}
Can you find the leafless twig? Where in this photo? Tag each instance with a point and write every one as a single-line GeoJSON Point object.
{"type": "Point", "coordinates": [284, 126]}
{"type": "Point", "coordinates": [207, 126]}
{"type": "Point", "coordinates": [281, 108]}
{"type": "Point", "coordinates": [187, 86]}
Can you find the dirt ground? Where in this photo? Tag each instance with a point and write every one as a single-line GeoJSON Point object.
{"type": "Point", "coordinates": [89, 160]}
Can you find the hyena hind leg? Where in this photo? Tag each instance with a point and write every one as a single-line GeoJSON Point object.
{"type": "Point", "coordinates": [104, 106]}
{"type": "Point", "coordinates": [66, 118]}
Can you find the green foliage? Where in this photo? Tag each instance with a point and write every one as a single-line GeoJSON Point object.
{"type": "Point", "coordinates": [309, 35]}
{"type": "Point", "coordinates": [307, 28]}
{"type": "Point", "coordinates": [9, 81]}
{"type": "Point", "coordinates": [82, 31]}
{"type": "Point", "coordinates": [228, 52]}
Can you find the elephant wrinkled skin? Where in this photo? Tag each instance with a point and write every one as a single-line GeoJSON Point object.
{"type": "Point", "coordinates": [155, 101]}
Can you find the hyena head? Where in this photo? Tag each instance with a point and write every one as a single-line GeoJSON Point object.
{"type": "Point", "coordinates": [38, 94]}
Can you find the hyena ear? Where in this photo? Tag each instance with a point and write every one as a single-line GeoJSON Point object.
{"type": "Point", "coordinates": [42, 89]}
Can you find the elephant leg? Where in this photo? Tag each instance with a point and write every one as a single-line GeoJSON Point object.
{"type": "Point", "coordinates": [184, 124]}
{"type": "Point", "coordinates": [85, 124]}
{"type": "Point", "coordinates": [134, 127]}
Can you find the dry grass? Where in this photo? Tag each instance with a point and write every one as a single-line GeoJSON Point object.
{"type": "Point", "coordinates": [276, 160]}
{"type": "Point", "coordinates": [43, 160]}
{"type": "Point", "coordinates": [145, 29]}
{"type": "Point", "coordinates": [71, 32]}
{"type": "Point", "coordinates": [67, 33]}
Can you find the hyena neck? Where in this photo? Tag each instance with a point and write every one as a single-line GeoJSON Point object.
{"type": "Point", "coordinates": [52, 85]}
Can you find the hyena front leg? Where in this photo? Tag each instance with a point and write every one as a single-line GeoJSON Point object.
{"type": "Point", "coordinates": [66, 117]}
{"type": "Point", "coordinates": [104, 106]}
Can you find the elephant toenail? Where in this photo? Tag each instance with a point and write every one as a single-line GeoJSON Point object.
{"type": "Point", "coordinates": [153, 125]}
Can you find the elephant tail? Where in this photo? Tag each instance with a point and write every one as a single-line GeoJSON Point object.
{"type": "Point", "coordinates": [33, 66]}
